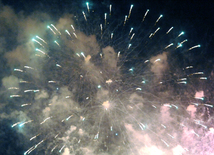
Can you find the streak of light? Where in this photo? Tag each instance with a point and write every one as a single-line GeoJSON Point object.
{"type": "Point", "coordinates": [130, 11]}
{"type": "Point", "coordinates": [84, 15]}
{"type": "Point", "coordinates": [145, 15]}
{"type": "Point", "coordinates": [169, 30]}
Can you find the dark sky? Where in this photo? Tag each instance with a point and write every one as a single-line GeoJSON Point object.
{"type": "Point", "coordinates": [197, 14]}
{"type": "Point", "coordinates": [195, 17]}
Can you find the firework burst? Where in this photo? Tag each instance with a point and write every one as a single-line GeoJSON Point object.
{"type": "Point", "coordinates": [97, 83]}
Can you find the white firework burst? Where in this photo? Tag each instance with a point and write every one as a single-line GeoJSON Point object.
{"type": "Point", "coordinates": [97, 83]}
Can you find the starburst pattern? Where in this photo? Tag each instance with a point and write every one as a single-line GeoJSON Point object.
{"type": "Point", "coordinates": [93, 84]}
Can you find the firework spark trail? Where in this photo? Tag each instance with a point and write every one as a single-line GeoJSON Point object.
{"type": "Point", "coordinates": [97, 92]}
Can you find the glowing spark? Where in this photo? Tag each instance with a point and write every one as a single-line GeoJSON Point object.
{"type": "Point", "coordinates": [83, 54]}
{"type": "Point", "coordinates": [25, 91]}
{"type": "Point", "coordinates": [37, 42]}
{"type": "Point", "coordinates": [105, 17]}
{"type": "Point", "coordinates": [189, 67]}
{"type": "Point", "coordinates": [54, 148]}
{"type": "Point", "coordinates": [165, 142]}
{"type": "Point", "coordinates": [42, 52]}
{"type": "Point", "coordinates": [197, 73]}
{"type": "Point", "coordinates": [150, 35]}
{"type": "Point", "coordinates": [14, 88]}
{"type": "Point", "coordinates": [142, 126]}
{"type": "Point", "coordinates": [194, 47]}
{"type": "Point", "coordinates": [96, 136]}
{"type": "Point", "coordinates": [68, 33]}
{"type": "Point", "coordinates": [158, 19]}
{"type": "Point", "coordinates": [195, 133]}
{"type": "Point", "coordinates": [56, 43]}
{"type": "Point", "coordinates": [130, 10]}
{"type": "Point", "coordinates": [23, 105]}
{"type": "Point", "coordinates": [132, 36]}
{"type": "Point", "coordinates": [101, 28]}
{"type": "Point", "coordinates": [24, 82]}
{"type": "Point", "coordinates": [124, 23]}
{"type": "Point", "coordinates": [145, 15]}
{"type": "Point", "coordinates": [51, 29]}
{"type": "Point", "coordinates": [34, 137]}
{"type": "Point", "coordinates": [110, 7]}
{"type": "Point", "coordinates": [68, 117]}
{"type": "Point", "coordinates": [168, 46]}
{"type": "Point", "coordinates": [84, 15]}
{"type": "Point", "coordinates": [18, 70]}
{"type": "Point", "coordinates": [51, 81]}
{"type": "Point", "coordinates": [182, 33]}
{"type": "Point", "coordinates": [12, 96]}
{"type": "Point", "coordinates": [58, 65]}
{"type": "Point", "coordinates": [20, 125]}
{"type": "Point", "coordinates": [156, 31]}
{"type": "Point", "coordinates": [28, 151]}
{"type": "Point", "coordinates": [175, 106]}
{"type": "Point", "coordinates": [154, 106]}
{"type": "Point", "coordinates": [75, 35]}
{"type": "Point", "coordinates": [184, 82]}
{"type": "Point", "coordinates": [118, 54]}
{"type": "Point", "coordinates": [157, 60]}
{"type": "Point", "coordinates": [41, 39]}
{"type": "Point", "coordinates": [163, 125]}
{"type": "Point", "coordinates": [55, 29]}
{"type": "Point", "coordinates": [61, 148]}
{"type": "Point", "coordinates": [28, 67]}
{"type": "Point", "coordinates": [130, 30]}
{"type": "Point", "coordinates": [170, 136]}
{"type": "Point", "coordinates": [183, 41]}
{"type": "Point", "coordinates": [112, 35]}
{"type": "Point", "coordinates": [15, 124]}
{"type": "Point", "coordinates": [56, 136]}
{"type": "Point", "coordinates": [203, 78]}
{"type": "Point", "coordinates": [46, 120]}
{"type": "Point", "coordinates": [88, 6]}
{"type": "Point", "coordinates": [73, 27]}
{"type": "Point", "coordinates": [169, 30]}
{"type": "Point", "coordinates": [179, 45]}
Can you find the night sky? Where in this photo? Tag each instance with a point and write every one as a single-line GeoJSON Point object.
{"type": "Point", "coordinates": [196, 18]}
